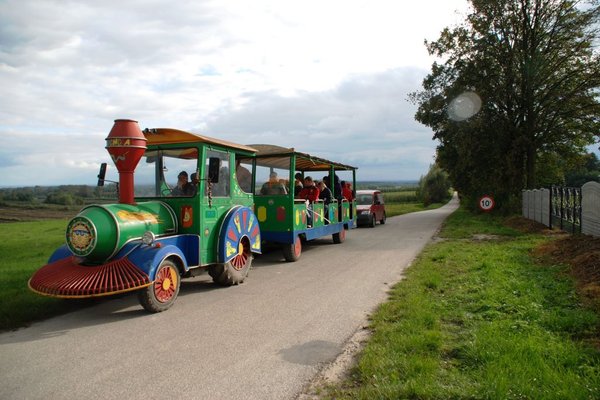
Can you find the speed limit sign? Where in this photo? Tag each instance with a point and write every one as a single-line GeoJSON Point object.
{"type": "Point", "coordinates": [486, 203]}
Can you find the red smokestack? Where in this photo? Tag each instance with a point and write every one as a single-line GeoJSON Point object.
{"type": "Point", "coordinates": [126, 145]}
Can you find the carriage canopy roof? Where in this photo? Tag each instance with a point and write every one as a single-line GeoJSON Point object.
{"type": "Point", "coordinates": [159, 136]}
{"type": "Point", "coordinates": [278, 157]}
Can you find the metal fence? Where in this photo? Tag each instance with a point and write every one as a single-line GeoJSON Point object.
{"type": "Point", "coordinates": [571, 209]}
{"type": "Point", "coordinates": [565, 208]}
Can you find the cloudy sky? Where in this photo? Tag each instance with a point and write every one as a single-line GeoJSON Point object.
{"type": "Point", "coordinates": [328, 77]}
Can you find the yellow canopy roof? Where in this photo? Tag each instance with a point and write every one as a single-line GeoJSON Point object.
{"type": "Point", "coordinates": [277, 157]}
{"type": "Point", "coordinates": [158, 136]}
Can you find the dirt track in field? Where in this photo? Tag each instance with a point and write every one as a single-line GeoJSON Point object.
{"type": "Point", "coordinates": [15, 214]}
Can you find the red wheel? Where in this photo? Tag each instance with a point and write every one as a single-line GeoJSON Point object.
{"type": "Point", "coordinates": [340, 236]}
{"type": "Point", "coordinates": [165, 284]}
{"type": "Point", "coordinates": [234, 271]}
{"type": "Point", "coordinates": [161, 294]}
{"type": "Point", "coordinates": [291, 252]}
{"type": "Point", "coordinates": [241, 259]}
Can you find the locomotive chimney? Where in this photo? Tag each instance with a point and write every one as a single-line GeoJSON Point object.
{"type": "Point", "coordinates": [126, 145]}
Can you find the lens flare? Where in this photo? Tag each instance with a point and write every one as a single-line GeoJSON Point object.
{"type": "Point", "coordinates": [464, 106]}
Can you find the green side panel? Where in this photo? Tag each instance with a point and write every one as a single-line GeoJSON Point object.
{"type": "Point", "coordinates": [345, 211]}
{"type": "Point", "coordinates": [274, 213]}
{"type": "Point", "coordinates": [333, 212]}
{"type": "Point", "coordinates": [300, 214]}
{"type": "Point", "coordinates": [211, 219]}
{"type": "Point", "coordinates": [318, 214]}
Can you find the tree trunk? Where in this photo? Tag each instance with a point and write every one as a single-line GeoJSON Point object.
{"type": "Point", "coordinates": [530, 166]}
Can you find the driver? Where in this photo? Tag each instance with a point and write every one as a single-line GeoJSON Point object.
{"type": "Point", "coordinates": [183, 188]}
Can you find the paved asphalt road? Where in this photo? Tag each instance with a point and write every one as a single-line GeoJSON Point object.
{"type": "Point", "coordinates": [265, 339]}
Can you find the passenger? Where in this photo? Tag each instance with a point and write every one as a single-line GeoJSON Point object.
{"type": "Point", "coordinates": [193, 187]}
{"type": "Point", "coordinates": [183, 186]}
{"type": "Point", "coordinates": [273, 186]}
{"type": "Point", "coordinates": [244, 177]}
{"type": "Point", "coordinates": [337, 189]}
{"type": "Point", "coordinates": [324, 193]}
{"type": "Point", "coordinates": [298, 186]}
{"type": "Point", "coordinates": [347, 191]}
{"type": "Point", "coordinates": [222, 187]}
{"type": "Point", "coordinates": [326, 196]}
{"type": "Point", "coordinates": [311, 193]}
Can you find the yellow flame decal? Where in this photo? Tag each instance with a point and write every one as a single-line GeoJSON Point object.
{"type": "Point", "coordinates": [236, 221]}
{"type": "Point", "coordinates": [230, 250]}
{"type": "Point", "coordinates": [143, 216]}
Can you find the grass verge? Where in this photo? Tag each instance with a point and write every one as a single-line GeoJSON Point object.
{"type": "Point", "coordinates": [25, 247]}
{"type": "Point", "coordinates": [477, 317]}
{"type": "Point", "coordinates": [392, 209]}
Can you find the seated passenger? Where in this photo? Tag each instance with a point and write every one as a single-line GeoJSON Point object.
{"type": "Point", "coordinates": [347, 191]}
{"type": "Point", "coordinates": [298, 186]}
{"type": "Point", "coordinates": [273, 186]}
{"type": "Point", "coordinates": [183, 187]}
{"type": "Point", "coordinates": [310, 193]}
{"type": "Point", "coordinates": [326, 196]}
{"type": "Point", "coordinates": [244, 177]}
{"type": "Point", "coordinates": [193, 187]}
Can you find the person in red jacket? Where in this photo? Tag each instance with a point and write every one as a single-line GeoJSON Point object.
{"type": "Point", "coordinates": [347, 191]}
{"type": "Point", "coordinates": [311, 193]}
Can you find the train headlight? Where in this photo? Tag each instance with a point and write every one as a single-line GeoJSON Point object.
{"type": "Point", "coordinates": [148, 238]}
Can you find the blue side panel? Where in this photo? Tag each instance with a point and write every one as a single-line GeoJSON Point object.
{"type": "Point", "coordinates": [148, 258]}
{"type": "Point", "coordinates": [280, 237]}
{"type": "Point", "coordinates": [189, 245]}
{"type": "Point", "coordinates": [314, 233]}
{"type": "Point", "coordinates": [60, 253]}
{"type": "Point", "coordinates": [310, 233]}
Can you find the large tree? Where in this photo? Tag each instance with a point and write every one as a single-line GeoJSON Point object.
{"type": "Point", "coordinates": [520, 79]}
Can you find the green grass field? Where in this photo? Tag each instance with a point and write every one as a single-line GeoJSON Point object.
{"type": "Point", "coordinates": [25, 247]}
{"type": "Point", "coordinates": [479, 319]}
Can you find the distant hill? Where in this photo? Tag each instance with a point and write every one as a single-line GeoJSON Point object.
{"type": "Point", "coordinates": [387, 186]}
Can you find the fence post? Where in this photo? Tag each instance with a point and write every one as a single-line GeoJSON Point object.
{"type": "Point", "coordinates": [590, 209]}
{"type": "Point", "coordinates": [551, 207]}
{"type": "Point", "coordinates": [562, 207]}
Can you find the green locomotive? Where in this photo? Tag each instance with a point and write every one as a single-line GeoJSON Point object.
{"type": "Point", "coordinates": [166, 227]}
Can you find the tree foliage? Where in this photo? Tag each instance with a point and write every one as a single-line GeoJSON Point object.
{"type": "Point", "coordinates": [434, 187]}
{"type": "Point", "coordinates": [588, 169]}
{"type": "Point", "coordinates": [518, 89]}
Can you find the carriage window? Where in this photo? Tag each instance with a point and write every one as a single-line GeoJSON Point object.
{"type": "Point", "coordinates": [243, 173]}
{"type": "Point", "coordinates": [220, 188]}
{"type": "Point", "coordinates": [272, 176]}
{"type": "Point", "coordinates": [157, 174]}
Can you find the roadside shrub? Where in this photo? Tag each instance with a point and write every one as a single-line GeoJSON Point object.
{"type": "Point", "coordinates": [434, 187]}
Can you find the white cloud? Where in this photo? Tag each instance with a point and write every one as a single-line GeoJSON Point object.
{"type": "Point", "coordinates": [69, 68]}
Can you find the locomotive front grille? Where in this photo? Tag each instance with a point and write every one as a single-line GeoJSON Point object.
{"type": "Point", "coordinates": [67, 279]}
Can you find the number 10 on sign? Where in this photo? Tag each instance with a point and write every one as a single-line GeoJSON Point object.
{"type": "Point", "coordinates": [486, 203]}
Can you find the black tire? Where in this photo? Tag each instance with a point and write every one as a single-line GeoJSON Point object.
{"type": "Point", "coordinates": [339, 237]}
{"type": "Point", "coordinates": [292, 252]}
{"type": "Point", "coordinates": [372, 221]}
{"type": "Point", "coordinates": [234, 271]}
{"type": "Point", "coordinates": [382, 221]}
{"type": "Point", "coordinates": [162, 293]}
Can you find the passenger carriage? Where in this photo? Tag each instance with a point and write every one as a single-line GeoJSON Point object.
{"type": "Point", "coordinates": [289, 221]}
